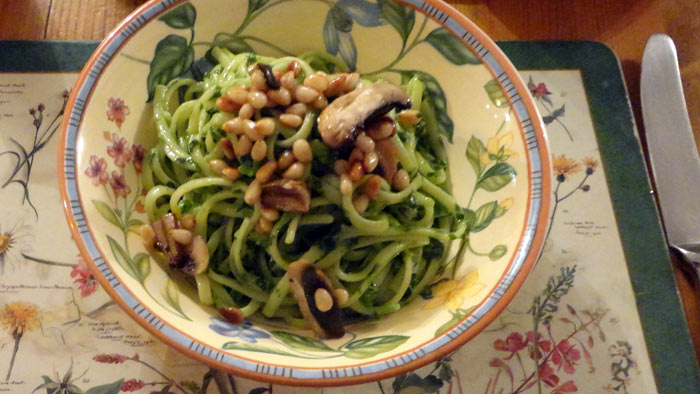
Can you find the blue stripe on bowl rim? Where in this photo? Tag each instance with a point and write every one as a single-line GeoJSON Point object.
{"type": "Point", "coordinates": [535, 176]}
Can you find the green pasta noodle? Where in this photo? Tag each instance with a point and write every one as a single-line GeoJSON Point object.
{"type": "Point", "coordinates": [236, 223]}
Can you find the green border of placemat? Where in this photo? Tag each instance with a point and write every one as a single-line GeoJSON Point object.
{"type": "Point", "coordinates": [668, 341]}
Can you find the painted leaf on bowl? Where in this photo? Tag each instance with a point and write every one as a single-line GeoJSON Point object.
{"type": "Point", "coordinates": [484, 215]}
{"type": "Point", "coordinates": [124, 260]}
{"type": "Point", "coordinates": [435, 98]}
{"type": "Point", "coordinates": [362, 11]}
{"type": "Point", "coordinates": [173, 57]}
{"type": "Point", "coordinates": [497, 252]}
{"type": "Point", "coordinates": [341, 19]}
{"type": "Point", "coordinates": [400, 17]}
{"type": "Point", "coordinates": [254, 5]}
{"type": "Point", "coordinates": [493, 90]}
{"type": "Point", "coordinates": [171, 294]}
{"type": "Point", "coordinates": [475, 149]}
{"type": "Point", "coordinates": [347, 50]}
{"type": "Point", "coordinates": [109, 388]}
{"type": "Point", "coordinates": [451, 47]}
{"type": "Point", "coordinates": [143, 264]}
{"type": "Point", "coordinates": [301, 342]}
{"type": "Point", "coordinates": [257, 348]}
{"type": "Point", "coordinates": [107, 212]}
{"type": "Point", "coordinates": [370, 347]}
{"type": "Point", "coordinates": [496, 177]}
{"type": "Point", "coordinates": [330, 35]}
{"type": "Point", "coordinates": [457, 315]}
{"type": "Point", "coordinates": [233, 43]}
{"type": "Point", "coordinates": [182, 17]}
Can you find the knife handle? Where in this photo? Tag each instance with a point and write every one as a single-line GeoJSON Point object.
{"type": "Point", "coordinates": [690, 255]}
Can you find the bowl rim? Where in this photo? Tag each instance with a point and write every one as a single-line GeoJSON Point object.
{"type": "Point", "coordinates": [531, 129]}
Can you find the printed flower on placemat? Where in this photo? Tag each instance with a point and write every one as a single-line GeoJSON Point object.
{"type": "Point", "coordinates": [84, 278]}
{"type": "Point", "coordinates": [564, 167]}
{"type": "Point", "coordinates": [243, 330]}
{"type": "Point", "coordinates": [18, 318]}
{"type": "Point", "coordinates": [452, 293]}
{"type": "Point", "coordinates": [13, 244]}
{"type": "Point", "coordinates": [565, 356]}
{"type": "Point", "coordinates": [117, 111]}
{"type": "Point", "coordinates": [132, 385]}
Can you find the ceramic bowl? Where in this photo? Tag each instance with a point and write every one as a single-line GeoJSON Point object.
{"type": "Point", "coordinates": [497, 156]}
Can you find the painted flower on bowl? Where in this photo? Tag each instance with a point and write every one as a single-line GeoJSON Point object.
{"type": "Point", "coordinates": [243, 330]}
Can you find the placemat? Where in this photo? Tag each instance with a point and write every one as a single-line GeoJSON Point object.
{"type": "Point", "coordinates": [602, 298]}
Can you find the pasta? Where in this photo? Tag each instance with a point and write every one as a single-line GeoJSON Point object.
{"type": "Point", "coordinates": [267, 163]}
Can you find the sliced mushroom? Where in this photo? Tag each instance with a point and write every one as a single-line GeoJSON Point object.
{"type": "Point", "coordinates": [305, 279]}
{"type": "Point", "coordinates": [340, 120]}
{"type": "Point", "coordinates": [286, 195]}
{"type": "Point", "coordinates": [187, 253]}
{"type": "Point", "coordinates": [270, 79]}
{"type": "Point", "coordinates": [388, 155]}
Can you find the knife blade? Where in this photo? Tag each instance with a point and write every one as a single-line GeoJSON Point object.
{"type": "Point", "coordinates": [672, 151]}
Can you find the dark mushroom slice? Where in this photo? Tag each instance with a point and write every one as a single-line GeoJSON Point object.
{"type": "Point", "coordinates": [287, 195]}
{"type": "Point", "coordinates": [270, 78]}
{"type": "Point", "coordinates": [340, 121]}
{"type": "Point", "coordinates": [306, 280]}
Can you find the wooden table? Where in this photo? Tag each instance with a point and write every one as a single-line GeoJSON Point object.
{"type": "Point", "coordinates": [623, 25]}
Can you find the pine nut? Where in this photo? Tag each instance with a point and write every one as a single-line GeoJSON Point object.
{"type": "Point", "coordinates": [401, 180]}
{"type": "Point", "coordinates": [252, 194]}
{"type": "Point", "coordinates": [335, 86]}
{"type": "Point", "coordinates": [246, 112]}
{"type": "Point", "coordinates": [217, 165]}
{"type": "Point", "coordinates": [231, 173]}
{"type": "Point", "coordinates": [148, 235]}
{"type": "Point", "coordinates": [225, 104]}
{"type": "Point", "coordinates": [316, 81]}
{"type": "Point", "coordinates": [263, 226]}
{"type": "Point", "coordinates": [265, 172]}
{"type": "Point", "coordinates": [364, 143]}
{"type": "Point", "coordinates": [305, 94]}
{"type": "Point", "coordinates": [259, 150]}
{"type": "Point", "coordinates": [298, 109]}
{"type": "Point", "coordinates": [181, 236]}
{"type": "Point", "coordinates": [249, 130]}
{"type": "Point", "coordinates": [372, 186]}
{"type": "Point", "coordinates": [409, 116]}
{"type": "Point", "coordinates": [356, 171]}
{"type": "Point", "coordinates": [188, 221]}
{"type": "Point", "coordinates": [341, 166]}
{"type": "Point", "coordinates": [351, 81]}
{"type": "Point", "coordinates": [257, 79]}
{"type": "Point", "coordinates": [242, 146]}
{"type": "Point", "coordinates": [227, 148]}
{"type": "Point", "coordinates": [270, 214]}
{"type": "Point", "coordinates": [360, 203]}
{"type": "Point", "coordinates": [371, 161]}
{"type": "Point", "coordinates": [323, 300]}
{"type": "Point", "coordinates": [287, 80]}
{"type": "Point", "coordinates": [285, 160]}
{"type": "Point", "coordinates": [281, 96]}
{"type": "Point", "coordinates": [257, 98]}
{"type": "Point", "coordinates": [295, 171]}
{"type": "Point", "coordinates": [356, 155]}
{"type": "Point", "coordinates": [341, 295]}
{"type": "Point", "coordinates": [294, 67]}
{"type": "Point", "coordinates": [239, 94]}
{"type": "Point", "coordinates": [265, 126]}
{"type": "Point", "coordinates": [345, 185]}
{"type": "Point", "coordinates": [233, 126]}
{"type": "Point", "coordinates": [381, 128]}
{"type": "Point", "coordinates": [302, 151]}
{"type": "Point", "coordinates": [321, 102]}
{"type": "Point", "coordinates": [292, 121]}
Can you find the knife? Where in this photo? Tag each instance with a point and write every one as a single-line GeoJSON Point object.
{"type": "Point", "coordinates": [672, 151]}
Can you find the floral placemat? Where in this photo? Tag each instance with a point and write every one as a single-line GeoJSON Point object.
{"type": "Point", "coordinates": [585, 320]}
